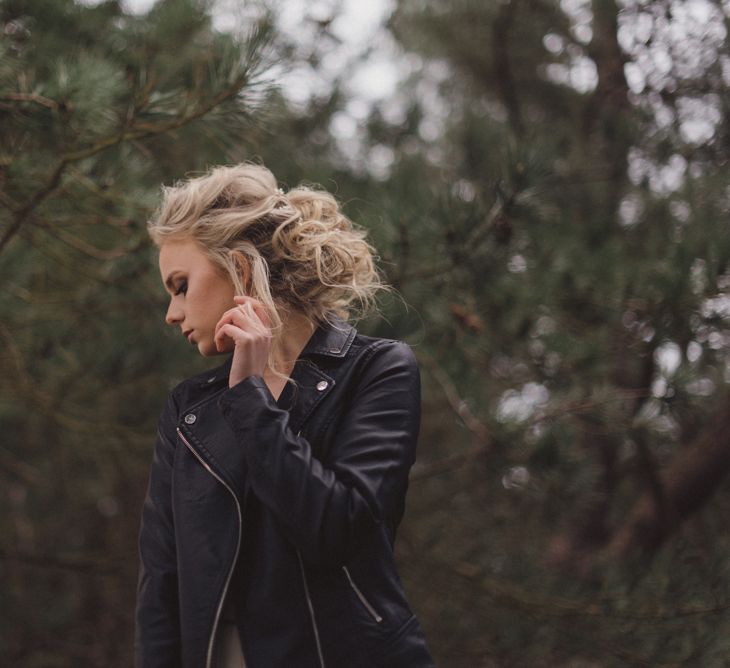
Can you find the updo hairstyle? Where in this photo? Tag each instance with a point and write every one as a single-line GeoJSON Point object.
{"type": "Point", "coordinates": [294, 251]}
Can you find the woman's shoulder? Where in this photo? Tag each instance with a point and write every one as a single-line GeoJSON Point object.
{"type": "Point", "coordinates": [384, 352]}
{"type": "Point", "coordinates": [338, 338]}
{"type": "Point", "coordinates": [339, 348]}
{"type": "Point", "coordinates": [382, 346]}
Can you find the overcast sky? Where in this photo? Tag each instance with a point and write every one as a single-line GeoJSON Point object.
{"type": "Point", "coordinates": [358, 27]}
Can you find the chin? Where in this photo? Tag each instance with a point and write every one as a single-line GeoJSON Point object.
{"type": "Point", "coordinates": [207, 349]}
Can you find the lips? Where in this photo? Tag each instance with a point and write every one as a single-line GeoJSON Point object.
{"type": "Point", "coordinates": [187, 335]}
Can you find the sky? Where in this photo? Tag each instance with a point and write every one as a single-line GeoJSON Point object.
{"type": "Point", "coordinates": [358, 28]}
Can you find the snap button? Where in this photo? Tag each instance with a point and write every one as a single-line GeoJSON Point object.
{"type": "Point", "coordinates": [210, 380]}
{"type": "Point", "coordinates": [334, 351]}
{"type": "Point", "coordinates": [322, 385]}
{"type": "Point", "coordinates": [190, 418]}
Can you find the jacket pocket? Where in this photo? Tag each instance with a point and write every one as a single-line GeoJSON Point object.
{"type": "Point", "coordinates": [406, 647]}
{"type": "Point", "coordinates": [366, 604]}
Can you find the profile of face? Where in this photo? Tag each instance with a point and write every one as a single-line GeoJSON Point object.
{"type": "Point", "coordinates": [199, 292]}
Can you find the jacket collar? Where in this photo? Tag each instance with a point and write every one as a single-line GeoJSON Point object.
{"type": "Point", "coordinates": [314, 381]}
{"type": "Point", "coordinates": [330, 339]}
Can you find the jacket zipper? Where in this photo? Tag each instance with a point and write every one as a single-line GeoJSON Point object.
{"type": "Point", "coordinates": [310, 605]}
{"type": "Point", "coordinates": [209, 657]}
{"type": "Point", "coordinates": [362, 598]}
{"type": "Point", "coordinates": [311, 609]}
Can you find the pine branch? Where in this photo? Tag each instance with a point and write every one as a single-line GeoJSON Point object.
{"type": "Point", "coordinates": [141, 131]}
{"type": "Point", "coordinates": [20, 469]}
{"type": "Point", "coordinates": [546, 605]}
{"type": "Point", "coordinates": [589, 530]}
{"type": "Point", "coordinates": [23, 213]}
{"type": "Point", "coordinates": [27, 97]}
{"type": "Point", "coordinates": [86, 566]}
{"type": "Point", "coordinates": [459, 405]}
{"type": "Point", "coordinates": [690, 482]}
{"type": "Point", "coordinates": [501, 40]}
{"type": "Point", "coordinates": [86, 248]}
{"type": "Point", "coordinates": [46, 404]}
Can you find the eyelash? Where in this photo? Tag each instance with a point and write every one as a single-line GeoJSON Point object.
{"type": "Point", "coordinates": [182, 288]}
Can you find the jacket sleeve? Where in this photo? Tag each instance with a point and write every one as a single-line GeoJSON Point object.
{"type": "Point", "coordinates": [157, 627]}
{"type": "Point", "coordinates": [325, 510]}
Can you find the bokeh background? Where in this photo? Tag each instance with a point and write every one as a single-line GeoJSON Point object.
{"type": "Point", "coordinates": [547, 184]}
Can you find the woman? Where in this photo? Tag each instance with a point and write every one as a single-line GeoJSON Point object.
{"type": "Point", "coordinates": [279, 478]}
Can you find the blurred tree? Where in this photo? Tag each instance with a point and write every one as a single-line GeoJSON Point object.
{"type": "Point", "coordinates": [97, 108]}
{"type": "Point", "coordinates": [556, 198]}
{"type": "Point", "coordinates": [548, 191]}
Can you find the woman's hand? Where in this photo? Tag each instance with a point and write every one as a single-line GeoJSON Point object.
{"type": "Point", "coordinates": [246, 330]}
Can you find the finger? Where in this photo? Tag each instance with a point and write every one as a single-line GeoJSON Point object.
{"type": "Point", "coordinates": [227, 317]}
{"type": "Point", "coordinates": [236, 334]}
{"type": "Point", "coordinates": [242, 299]}
{"type": "Point", "coordinates": [262, 314]}
{"type": "Point", "coordinates": [258, 308]}
{"type": "Point", "coordinates": [241, 317]}
{"type": "Point", "coordinates": [230, 317]}
{"type": "Point", "coordinates": [222, 342]}
{"type": "Point", "coordinates": [249, 309]}
{"type": "Point", "coordinates": [242, 324]}
{"type": "Point", "coordinates": [256, 311]}
{"type": "Point", "coordinates": [233, 332]}
{"type": "Point", "coordinates": [223, 333]}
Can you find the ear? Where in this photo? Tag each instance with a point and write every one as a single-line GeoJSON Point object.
{"type": "Point", "coordinates": [243, 268]}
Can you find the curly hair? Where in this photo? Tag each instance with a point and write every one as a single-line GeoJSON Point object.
{"type": "Point", "coordinates": [293, 251]}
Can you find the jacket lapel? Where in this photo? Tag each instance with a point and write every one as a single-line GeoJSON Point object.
{"type": "Point", "coordinates": [312, 385]}
{"type": "Point", "coordinates": [214, 440]}
{"type": "Point", "coordinates": [219, 445]}
{"type": "Point", "coordinates": [328, 343]}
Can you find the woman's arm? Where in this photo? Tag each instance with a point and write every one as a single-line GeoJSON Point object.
{"type": "Point", "coordinates": [157, 625]}
{"type": "Point", "coordinates": [325, 510]}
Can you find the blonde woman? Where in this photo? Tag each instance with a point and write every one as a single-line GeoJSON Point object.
{"type": "Point", "coordinates": [278, 479]}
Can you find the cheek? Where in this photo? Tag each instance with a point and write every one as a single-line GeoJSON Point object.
{"type": "Point", "coordinates": [220, 301]}
{"type": "Point", "coordinates": [212, 310]}
{"type": "Point", "coordinates": [211, 298]}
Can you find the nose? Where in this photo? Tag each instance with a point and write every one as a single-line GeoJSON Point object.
{"type": "Point", "coordinates": [174, 313]}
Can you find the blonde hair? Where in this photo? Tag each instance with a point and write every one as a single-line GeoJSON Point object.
{"type": "Point", "coordinates": [294, 252]}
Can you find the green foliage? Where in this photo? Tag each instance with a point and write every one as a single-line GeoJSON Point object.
{"type": "Point", "coordinates": [549, 272]}
{"type": "Point", "coordinates": [568, 506]}
{"type": "Point", "coordinates": [546, 310]}
{"type": "Point", "coordinates": [97, 109]}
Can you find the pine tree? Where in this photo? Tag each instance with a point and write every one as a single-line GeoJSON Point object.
{"type": "Point", "coordinates": [554, 214]}
{"type": "Point", "coordinates": [98, 108]}
{"type": "Point", "coordinates": [562, 236]}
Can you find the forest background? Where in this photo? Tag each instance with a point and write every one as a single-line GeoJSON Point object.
{"type": "Point", "coordinates": [547, 184]}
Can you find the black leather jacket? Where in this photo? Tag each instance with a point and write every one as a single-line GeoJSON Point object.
{"type": "Point", "coordinates": [290, 507]}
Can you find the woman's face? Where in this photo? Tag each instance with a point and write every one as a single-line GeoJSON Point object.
{"type": "Point", "coordinates": [199, 292]}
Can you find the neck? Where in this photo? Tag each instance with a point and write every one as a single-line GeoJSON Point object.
{"type": "Point", "coordinates": [298, 329]}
